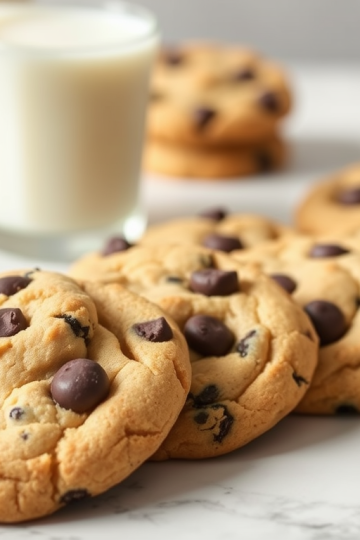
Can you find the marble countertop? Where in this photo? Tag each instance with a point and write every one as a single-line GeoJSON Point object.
{"type": "Point", "coordinates": [298, 481]}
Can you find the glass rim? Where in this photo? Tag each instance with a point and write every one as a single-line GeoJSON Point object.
{"type": "Point", "coordinates": [106, 6]}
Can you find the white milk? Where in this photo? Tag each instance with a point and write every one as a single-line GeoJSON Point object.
{"type": "Point", "coordinates": [73, 96]}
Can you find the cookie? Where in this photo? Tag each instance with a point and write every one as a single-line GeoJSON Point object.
{"type": "Point", "coordinates": [211, 94]}
{"type": "Point", "coordinates": [82, 402]}
{"type": "Point", "coordinates": [323, 276]}
{"type": "Point", "coordinates": [186, 162]}
{"type": "Point", "coordinates": [216, 228]}
{"type": "Point", "coordinates": [331, 205]}
{"type": "Point", "coordinates": [253, 349]}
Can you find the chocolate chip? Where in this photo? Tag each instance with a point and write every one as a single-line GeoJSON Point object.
{"type": "Point", "coordinates": [208, 336]}
{"type": "Point", "coordinates": [327, 250]}
{"type": "Point", "coordinates": [215, 214]}
{"type": "Point", "coordinates": [24, 435]}
{"type": "Point", "coordinates": [225, 423]}
{"type": "Point", "coordinates": [244, 343]}
{"type": "Point", "coordinates": [285, 282]}
{"type": "Point", "coordinates": [214, 282]}
{"type": "Point", "coordinates": [10, 285]}
{"type": "Point", "coordinates": [157, 330]}
{"type": "Point", "coordinates": [16, 413]}
{"type": "Point", "coordinates": [74, 495]}
{"type": "Point", "coordinates": [174, 279]}
{"type": "Point", "coordinates": [172, 57]}
{"type": "Point", "coordinates": [80, 385]}
{"type": "Point", "coordinates": [79, 331]}
{"type": "Point", "coordinates": [222, 243]}
{"type": "Point", "coordinates": [299, 379]}
{"type": "Point", "coordinates": [264, 160]}
{"type": "Point", "coordinates": [12, 321]}
{"type": "Point", "coordinates": [328, 320]}
{"type": "Point", "coordinates": [115, 245]}
{"type": "Point", "coordinates": [201, 417]}
{"type": "Point", "coordinates": [215, 418]}
{"type": "Point", "coordinates": [347, 409]}
{"type": "Point", "coordinates": [349, 196]}
{"type": "Point", "coordinates": [207, 396]}
{"type": "Point", "coordinates": [269, 101]}
{"type": "Point", "coordinates": [203, 116]}
{"type": "Point", "coordinates": [243, 74]}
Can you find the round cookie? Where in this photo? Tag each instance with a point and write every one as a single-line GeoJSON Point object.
{"type": "Point", "coordinates": [82, 402]}
{"type": "Point", "coordinates": [217, 229]}
{"type": "Point", "coordinates": [206, 163]}
{"type": "Point", "coordinates": [323, 276]}
{"type": "Point", "coordinates": [214, 94]}
{"type": "Point", "coordinates": [332, 205]}
{"type": "Point", "coordinates": [253, 349]}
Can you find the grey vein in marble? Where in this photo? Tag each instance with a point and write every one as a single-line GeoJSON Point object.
{"type": "Point", "coordinates": [256, 514]}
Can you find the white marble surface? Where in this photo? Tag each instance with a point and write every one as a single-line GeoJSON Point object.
{"type": "Point", "coordinates": [300, 481]}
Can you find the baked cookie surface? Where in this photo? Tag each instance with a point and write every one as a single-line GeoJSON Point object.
{"type": "Point", "coordinates": [208, 93]}
{"type": "Point", "coordinates": [216, 229]}
{"type": "Point", "coordinates": [82, 402]}
{"type": "Point", "coordinates": [323, 275]}
{"type": "Point", "coordinates": [253, 349]}
{"type": "Point", "coordinates": [332, 205]}
{"type": "Point", "coordinates": [188, 162]}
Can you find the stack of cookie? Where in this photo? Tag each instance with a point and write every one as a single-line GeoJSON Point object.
{"type": "Point", "coordinates": [215, 112]}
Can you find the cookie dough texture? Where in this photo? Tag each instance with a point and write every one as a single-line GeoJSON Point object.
{"type": "Point", "coordinates": [49, 455]}
{"type": "Point", "coordinates": [332, 205]}
{"type": "Point", "coordinates": [248, 229]}
{"type": "Point", "coordinates": [211, 94]}
{"type": "Point", "coordinates": [245, 390]}
{"type": "Point", "coordinates": [323, 269]}
{"type": "Point", "coordinates": [189, 162]}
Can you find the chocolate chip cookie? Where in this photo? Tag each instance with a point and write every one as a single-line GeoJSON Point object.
{"type": "Point", "coordinates": [216, 94]}
{"type": "Point", "coordinates": [188, 162]}
{"type": "Point", "coordinates": [253, 349]}
{"type": "Point", "coordinates": [82, 402]}
{"type": "Point", "coordinates": [323, 275]}
{"type": "Point", "coordinates": [332, 205]}
{"type": "Point", "coordinates": [216, 228]}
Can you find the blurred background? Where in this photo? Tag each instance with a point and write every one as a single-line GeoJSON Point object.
{"type": "Point", "coordinates": [301, 30]}
{"type": "Point", "coordinates": [318, 44]}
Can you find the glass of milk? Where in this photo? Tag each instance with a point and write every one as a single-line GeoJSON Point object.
{"type": "Point", "coordinates": [74, 79]}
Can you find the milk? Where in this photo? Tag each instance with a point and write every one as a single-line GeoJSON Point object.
{"type": "Point", "coordinates": [73, 97]}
